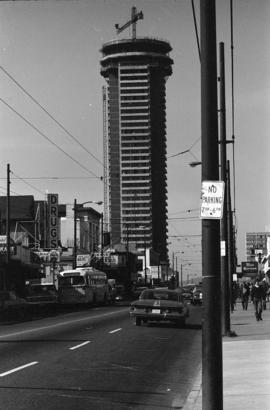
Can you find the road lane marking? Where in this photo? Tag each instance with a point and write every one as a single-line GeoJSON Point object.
{"type": "Point", "coordinates": [115, 330]}
{"type": "Point", "coordinates": [80, 345]}
{"type": "Point", "coordinates": [17, 369]}
{"type": "Point", "coordinates": [68, 322]}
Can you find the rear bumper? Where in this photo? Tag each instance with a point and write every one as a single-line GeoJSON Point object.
{"type": "Point", "coordinates": [159, 316]}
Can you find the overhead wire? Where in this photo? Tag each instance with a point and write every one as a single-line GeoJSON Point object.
{"type": "Point", "coordinates": [187, 150]}
{"type": "Point", "coordinates": [27, 183]}
{"type": "Point", "coordinates": [196, 29]}
{"type": "Point", "coordinates": [50, 115]}
{"type": "Point", "coordinates": [52, 177]}
{"type": "Point", "coordinates": [48, 139]}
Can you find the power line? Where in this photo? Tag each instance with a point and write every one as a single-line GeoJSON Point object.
{"type": "Point", "coordinates": [52, 177]}
{"type": "Point", "coordinates": [187, 150]}
{"type": "Point", "coordinates": [48, 139]}
{"type": "Point", "coordinates": [5, 190]}
{"type": "Point", "coordinates": [50, 115]}
{"type": "Point", "coordinates": [27, 183]}
{"type": "Point", "coordinates": [196, 29]}
{"type": "Point", "coordinates": [184, 212]}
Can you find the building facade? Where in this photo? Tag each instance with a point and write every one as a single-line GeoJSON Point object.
{"type": "Point", "coordinates": [256, 245]}
{"type": "Point", "coordinates": [136, 71]}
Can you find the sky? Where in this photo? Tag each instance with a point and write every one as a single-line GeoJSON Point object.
{"type": "Point", "coordinates": [51, 50]}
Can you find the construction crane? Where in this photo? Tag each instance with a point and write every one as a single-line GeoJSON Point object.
{"type": "Point", "coordinates": [134, 18]}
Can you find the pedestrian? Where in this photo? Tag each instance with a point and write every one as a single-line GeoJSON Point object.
{"type": "Point", "coordinates": [265, 286]}
{"type": "Point", "coordinates": [234, 296]}
{"type": "Point", "coordinates": [245, 295]}
{"type": "Point", "coordinates": [257, 293]}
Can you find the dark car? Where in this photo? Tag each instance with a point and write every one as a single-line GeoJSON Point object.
{"type": "Point", "coordinates": [41, 294]}
{"type": "Point", "coordinates": [120, 293]}
{"type": "Point", "coordinates": [159, 305]}
{"type": "Point", "coordinates": [186, 294]}
{"type": "Point", "coordinates": [137, 292]}
{"type": "Point", "coordinates": [12, 305]}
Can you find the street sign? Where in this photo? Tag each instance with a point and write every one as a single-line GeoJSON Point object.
{"type": "Point", "coordinates": [212, 198]}
{"type": "Point", "coordinates": [3, 239]}
{"type": "Point", "coordinates": [250, 269]}
{"type": "Point", "coordinates": [83, 260]}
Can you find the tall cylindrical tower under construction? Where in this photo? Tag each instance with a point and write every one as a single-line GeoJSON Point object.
{"type": "Point", "coordinates": [136, 71]}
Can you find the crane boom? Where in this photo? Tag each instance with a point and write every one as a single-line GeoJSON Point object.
{"type": "Point", "coordinates": [134, 18]}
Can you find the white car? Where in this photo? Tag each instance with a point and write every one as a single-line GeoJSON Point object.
{"type": "Point", "coordinates": [160, 305]}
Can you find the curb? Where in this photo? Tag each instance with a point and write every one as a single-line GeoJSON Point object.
{"type": "Point", "coordinates": [195, 392]}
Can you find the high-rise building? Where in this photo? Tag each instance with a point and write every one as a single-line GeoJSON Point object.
{"type": "Point", "coordinates": [256, 244]}
{"type": "Point", "coordinates": [136, 71]}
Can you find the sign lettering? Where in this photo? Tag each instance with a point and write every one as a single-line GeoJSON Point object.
{"type": "Point", "coordinates": [53, 220]}
{"type": "Point", "coordinates": [212, 198]}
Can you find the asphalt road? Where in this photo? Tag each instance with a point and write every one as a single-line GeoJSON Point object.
{"type": "Point", "coordinates": [97, 359]}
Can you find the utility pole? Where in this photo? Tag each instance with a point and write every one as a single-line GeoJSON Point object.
{"type": "Point", "coordinates": [181, 275]}
{"type": "Point", "coordinates": [75, 235]}
{"type": "Point", "coordinates": [8, 216]}
{"type": "Point", "coordinates": [225, 294]}
{"type": "Point", "coordinates": [102, 243]}
{"type": "Point", "coordinates": [212, 380]}
{"type": "Point", "coordinates": [230, 231]}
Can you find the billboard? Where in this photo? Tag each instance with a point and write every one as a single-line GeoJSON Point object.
{"type": "Point", "coordinates": [53, 221]}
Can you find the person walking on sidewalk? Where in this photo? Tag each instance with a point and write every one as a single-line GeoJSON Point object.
{"type": "Point", "coordinates": [245, 295]}
{"type": "Point", "coordinates": [257, 294]}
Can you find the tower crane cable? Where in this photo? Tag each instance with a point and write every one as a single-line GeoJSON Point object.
{"type": "Point", "coordinates": [47, 112]}
{"type": "Point", "coordinates": [48, 139]}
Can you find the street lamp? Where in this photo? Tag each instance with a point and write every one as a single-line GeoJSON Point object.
{"type": "Point", "coordinates": [75, 227]}
{"type": "Point", "coordinates": [194, 164]}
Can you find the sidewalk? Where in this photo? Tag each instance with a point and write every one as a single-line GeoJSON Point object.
{"type": "Point", "coordinates": [246, 364]}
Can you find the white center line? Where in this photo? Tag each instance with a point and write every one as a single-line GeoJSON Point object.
{"type": "Point", "coordinates": [17, 369]}
{"type": "Point", "coordinates": [63, 323]}
{"type": "Point", "coordinates": [115, 330]}
{"type": "Point", "coordinates": [80, 345]}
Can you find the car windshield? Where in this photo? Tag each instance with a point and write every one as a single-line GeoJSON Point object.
{"type": "Point", "coordinates": [152, 294]}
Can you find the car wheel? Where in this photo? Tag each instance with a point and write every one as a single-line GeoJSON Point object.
{"type": "Point", "coordinates": [138, 321]}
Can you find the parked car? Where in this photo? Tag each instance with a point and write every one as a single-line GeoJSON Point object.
{"type": "Point", "coordinates": [186, 294]}
{"type": "Point", "coordinates": [41, 294]}
{"type": "Point", "coordinates": [120, 293]}
{"type": "Point", "coordinates": [197, 296]}
{"type": "Point", "coordinates": [137, 291]}
{"type": "Point", "coordinates": [159, 305]}
{"type": "Point", "coordinates": [12, 305]}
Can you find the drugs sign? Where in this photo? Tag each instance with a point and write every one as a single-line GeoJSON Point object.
{"type": "Point", "coordinates": [212, 198]}
{"type": "Point", "coordinates": [53, 220]}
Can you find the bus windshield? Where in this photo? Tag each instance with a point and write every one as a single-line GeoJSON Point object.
{"type": "Point", "coordinates": [71, 281]}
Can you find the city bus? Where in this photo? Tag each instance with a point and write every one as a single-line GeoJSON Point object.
{"type": "Point", "coordinates": [83, 286]}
